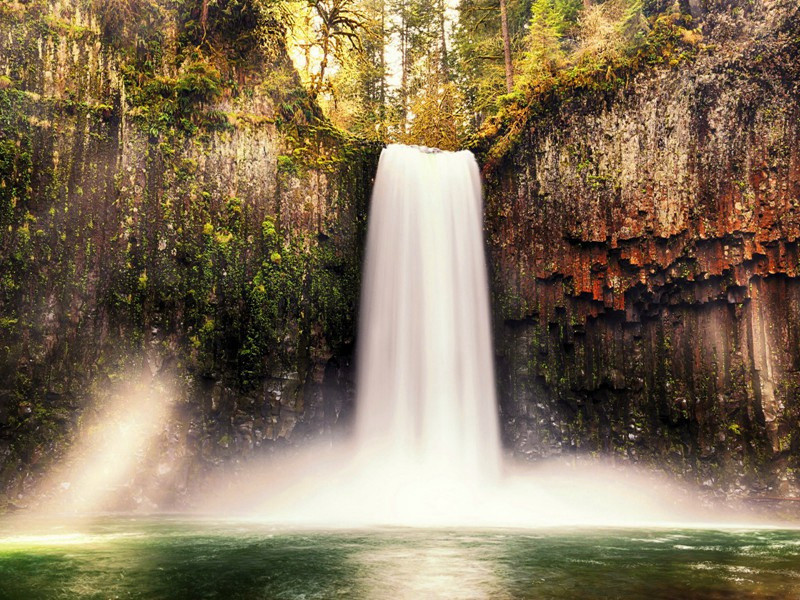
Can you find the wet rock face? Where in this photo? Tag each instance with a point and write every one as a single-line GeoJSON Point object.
{"type": "Point", "coordinates": [645, 255]}
{"type": "Point", "coordinates": [160, 223]}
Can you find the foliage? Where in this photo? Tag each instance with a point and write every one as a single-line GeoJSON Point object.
{"type": "Point", "coordinates": [355, 95]}
{"type": "Point", "coordinates": [199, 84]}
{"type": "Point", "coordinates": [544, 53]}
{"type": "Point", "coordinates": [163, 103]}
{"type": "Point", "coordinates": [561, 33]}
{"type": "Point", "coordinates": [663, 39]}
{"type": "Point", "coordinates": [398, 67]}
{"type": "Point", "coordinates": [561, 15]}
{"type": "Point", "coordinates": [478, 64]}
{"type": "Point", "coordinates": [413, 63]}
{"type": "Point", "coordinates": [606, 29]}
{"type": "Point", "coordinates": [434, 109]}
{"type": "Point", "coordinates": [324, 31]}
{"type": "Point", "coordinates": [132, 25]}
{"type": "Point", "coordinates": [235, 28]}
{"type": "Point", "coordinates": [15, 164]}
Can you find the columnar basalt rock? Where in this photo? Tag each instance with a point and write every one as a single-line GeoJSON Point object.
{"type": "Point", "coordinates": [645, 254]}
{"type": "Point", "coordinates": [168, 216]}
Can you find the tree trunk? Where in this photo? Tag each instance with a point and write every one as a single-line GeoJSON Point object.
{"type": "Point", "coordinates": [323, 65]}
{"type": "Point", "coordinates": [404, 58]}
{"type": "Point", "coordinates": [382, 111]}
{"type": "Point", "coordinates": [204, 16]}
{"type": "Point", "coordinates": [507, 47]}
{"type": "Point", "coordinates": [383, 61]}
{"type": "Point", "coordinates": [443, 9]}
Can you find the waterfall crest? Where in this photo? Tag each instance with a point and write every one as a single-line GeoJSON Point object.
{"type": "Point", "coordinates": [426, 449]}
{"type": "Point", "coordinates": [426, 397]}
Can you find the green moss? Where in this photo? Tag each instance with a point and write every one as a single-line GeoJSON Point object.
{"type": "Point", "coordinates": [287, 164]}
{"type": "Point", "coordinates": [59, 27]}
{"type": "Point", "coordinates": [156, 255]}
{"type": "Point", "coordinates": [164, 104]}
{"type": "Point", "coordinates": [235, 27]}
{"type": "Point", "coordinates": [669, 41]}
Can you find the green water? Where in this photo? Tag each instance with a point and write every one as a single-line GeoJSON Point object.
{"type": "Point", "coordinates": [169, 558]}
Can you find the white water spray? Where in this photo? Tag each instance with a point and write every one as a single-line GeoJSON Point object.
{"type": "Point", "coordinates": [426, 399]}
{"type": "Point", "coordinates": [426, 449]}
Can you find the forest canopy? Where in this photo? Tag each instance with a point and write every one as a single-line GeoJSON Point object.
{"type": "Point", "coordinates": [434, 72]}
{"type": "Point", "coordinates": [439, 73]}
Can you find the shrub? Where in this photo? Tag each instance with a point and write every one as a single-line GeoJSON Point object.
{"type": "Point", "coordinates": [606, 29]}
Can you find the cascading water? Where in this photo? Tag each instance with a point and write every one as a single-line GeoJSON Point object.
{"type": "Point", "coordinates": [426, 399]}
{"type": "Point", "coordinates": [426, 449]}
{"type": "Point", "coordinates": [426, 452]}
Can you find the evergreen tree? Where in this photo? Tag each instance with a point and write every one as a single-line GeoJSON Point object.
{"type": "Point", "coordinates": [480, 58]}
{"type": "Point", "coordinates": [545, 51]}
{"type": "Point", "coordinates": [358, 100]}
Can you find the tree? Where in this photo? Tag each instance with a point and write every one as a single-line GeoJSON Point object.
{"type": "Point", "coordinates": [358, 88]}
{"type": "Point", "coordinates": [544, 52]}
{"type": "Point", "coordinates": [232, 27]}
{"type": "Point", "coordinates": [480, 54]}
{"type": "Point", "coordinates": [326, 30]}
{"type": "Point", "coordinates": [435, 115]}
{"type": "Point", "coordinates": [506, 47]}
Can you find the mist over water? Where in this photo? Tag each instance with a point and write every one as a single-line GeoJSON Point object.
{"type": "Point", "coordinates": [426, 397]}
{"type": "Point", "coordinates": [426, 449]}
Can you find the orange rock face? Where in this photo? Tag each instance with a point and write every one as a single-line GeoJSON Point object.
{"type": "Point", "coordinates": [645, 254]}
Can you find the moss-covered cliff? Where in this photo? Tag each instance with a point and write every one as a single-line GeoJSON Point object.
{"type": "Point", "coordinates": [172, 207]}
{"type": "Point", "coordinates": [644, 240]}
{"type": "Point", "coordinates": [176, 215]}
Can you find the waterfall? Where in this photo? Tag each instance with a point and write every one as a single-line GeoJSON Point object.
{"type": "Point", "coordinates": [426, 398]}
{"type": "Point", "coordinates": [426, 450]}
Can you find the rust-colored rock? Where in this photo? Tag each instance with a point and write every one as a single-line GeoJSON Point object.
{"type": "Point", "coordinates": [645, 254]}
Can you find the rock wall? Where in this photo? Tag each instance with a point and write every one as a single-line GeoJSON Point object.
{"type": "Point", "coordinates": [170, 219]}
{"type": "Point", "coordinates": [182, 221]}
{"type": "Point", "coordinates": [645, 252]}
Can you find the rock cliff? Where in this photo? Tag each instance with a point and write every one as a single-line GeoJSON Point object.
{"type": "Point", "coordinates": [172, 215]}
{"type": "Point", "coordinates": [644, 242]}
{"type": "Point", "coordinates": [176, 216]}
